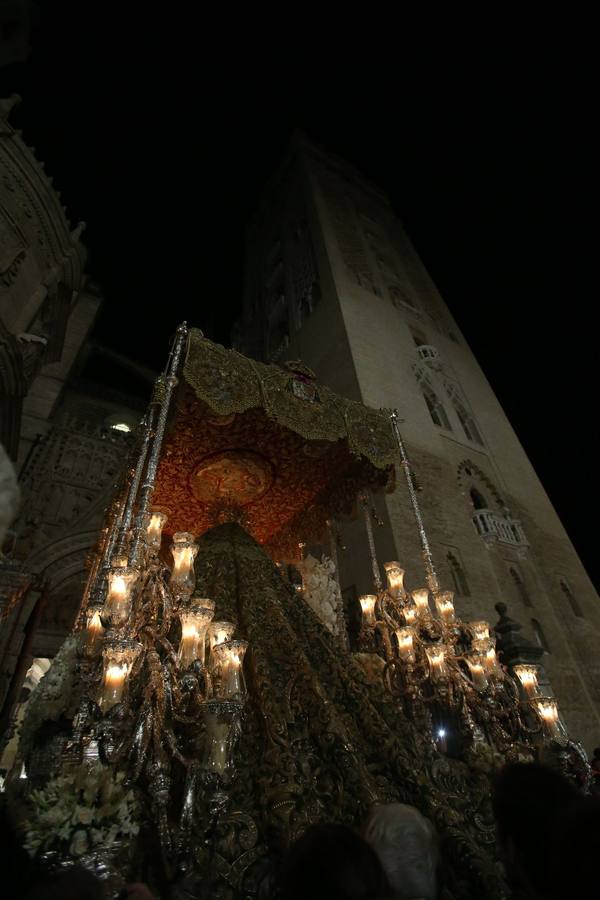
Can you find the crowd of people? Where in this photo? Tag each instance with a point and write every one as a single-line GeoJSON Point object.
{"type": "Point", "coordinates": [548, 836]}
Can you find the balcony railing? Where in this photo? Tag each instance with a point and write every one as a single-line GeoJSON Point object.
{"type": "Point", "coordinates": [492, 526]}
{"type": "Point", "coordinates": [428, 354]}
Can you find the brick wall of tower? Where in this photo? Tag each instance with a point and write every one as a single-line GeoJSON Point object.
{"type": "Point", "coordinates": [376, 302]}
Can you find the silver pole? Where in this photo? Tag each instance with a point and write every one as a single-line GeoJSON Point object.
{"type": "Point", "coordinates": [371, 539]}
{"type": "Point", "coordinates": [432, 579]}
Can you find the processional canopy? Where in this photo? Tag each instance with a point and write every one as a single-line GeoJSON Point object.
{"type": "Point", "coordinates": [268, 447]}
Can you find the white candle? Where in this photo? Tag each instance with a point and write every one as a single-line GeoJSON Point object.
{"type": "Point", "coordinates": [479, 630]}
{"type": "Point", "coordinates": [406, 649]}
{"type": "Point", "coordinates": [445, 606]}
{"type": "Point", "coordinates": [437, 661]}
{"type": "Point", "coordinates": [527, 675]}
{"type": "Point", "coordinates": [114, 682]}
{"type": "Point", "coordinates": [421, 599]}
{"type": "Point", "coordinates": [228, 659]}
{"type": "Point", "coordinates": [94, 632]}
{"type": "Point", "coordinates": [154, 531]}
{"type": "Point", "coordinates": [395, 578]}
{"type": "Point", "coordinates": [367, 603]}
{"type": "Point", "coordinates": [547, 710]}
{"type": "Point", "coordinates": [477, 669]}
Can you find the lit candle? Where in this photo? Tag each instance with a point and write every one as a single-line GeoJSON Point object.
{"type": "Point", "coordinates": [117, 607]}
{"type": "Point", "coordinates": [367, 603]}
{"type": "Point", "coordinates": [421, 599]}
{"type": "Point", "coordinates": [479, 630]}
{"type": "Point", "coordinates": [119, 657]}
{"type": "Point", "coordinates": [219, 632]}
{"type": "Point", "coordinates": [114, 682]}
{"type": "Point", "coordinates": [547, 710]}
{"type": "Point", "coordinates": [194, 622]}
{"type": "Point", "coordinates": [405, 638]}
{"type": "Point", "coordinates": [228, 659]}
{"type": "Point", "coordinates": [184, 551]}
{"type": "Point", "coordinates": [154, 530]}
{"type": "Point", "coordinates": [395, 578]}
{"type": "Point", "coordinates": [476, 664]}
{"type": "Point", "coordinates": [410, 614]}
{"type": "Point", "coordinates": [445, 606]}
{"type": "Point", "coordinates": [436, 655]}
{"type": "Point", "coordinates": [94, 632]}
{"type": "Point", "coordinates": [527, 675]}
{"type": "Point", "coordinates": [491, 661]}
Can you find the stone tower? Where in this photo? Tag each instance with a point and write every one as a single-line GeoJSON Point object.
{"type": "Point", "coordinates": [333, 279]}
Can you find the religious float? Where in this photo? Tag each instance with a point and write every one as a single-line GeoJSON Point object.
{"type": "Point", "coordinates": [207, 707]}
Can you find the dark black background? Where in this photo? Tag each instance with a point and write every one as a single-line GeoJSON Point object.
{"type": "Point", "coordinates": [161, 130]}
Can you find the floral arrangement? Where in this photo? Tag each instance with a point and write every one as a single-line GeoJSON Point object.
{"type": "Point", "coordinates": [54, 696]}
{"type": "Point", "coordinates": [320, 589]}
{"type": "Point", "coordinates": [80, 812]}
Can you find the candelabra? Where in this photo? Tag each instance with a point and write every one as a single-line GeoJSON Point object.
{"type": "Point", "coordinates": [447, 676]}
{"type": "Point", "coordinates": [164, 687]}
{"type": "Point", "coordinates": [446, 673]}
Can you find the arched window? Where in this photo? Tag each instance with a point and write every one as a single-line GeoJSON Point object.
{"type": "Point", "coordinates": [477, 499]}
{"type": "Point", "coordinates": [522, 592]}
{"type": "Point", "coordinates": [459, 578]}
{"type": "Point", "coordinates": [540, 637]}
{"type": "Point", "coordinates": [571, 599]}
{"type": "Point", "coordinates": [464, 416]}
{"type": "Point", "coordinates": [435, 407]}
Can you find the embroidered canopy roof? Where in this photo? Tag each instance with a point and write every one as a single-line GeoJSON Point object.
{"type": "Point", "coordinates": [268, 447]}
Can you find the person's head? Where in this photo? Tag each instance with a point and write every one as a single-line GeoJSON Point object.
{"type": "Point", "coordinates": [75, 884]}
{"type": "Point", "coordinates": [529, 802]}
{"type": "Point", "coordinates": [334, 863]}
{"type": "Point", "coordinates": [573, 860]}
{"type": "Point", "coordinates": [406, 844]}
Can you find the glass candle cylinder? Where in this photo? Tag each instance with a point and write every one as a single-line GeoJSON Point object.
{"type": "Point", "coordinates": [184, 550]}
{"type": "Point", "coordinates": [410, 614]}
{"type": "Point", "coordinates": [491, 661]}
{"type": "Point", "coordinates": [421, 600]}
{"type": "Point", "coordinates": [154, 531]}
{"type": "Point", "coordinates": [117, 608]}
{"type": "Point", "coordinates": [436, 656]}
{"type": "Point", "coordinates": [119, 657]}
{"type": "Point", "coordinates": [444, 602]}
{"type": "Point", "coordinates": [527, 676]}
{"type": "Point", "coordinates": [219, 632]}
{"type": "Point", "coordinates": [547, 710]}
{"type": "Point", "coordinates": [94, 632]}
{"type": "Point", "coordinates": [405, 638]}
{"type": "Point", "coordinates": [194, 622]}
{"type": "Point", "coordinates": [480, 631]}
{"type": "Point", "coordinates": [367, 604]}
{"type": "Point", "coordinates": [228, 658]}
{"type": "Point", "coordinates": [477, 668]}
{"type": "Point", "coordinates": [395, 578]}
{"type": "Point", "coordinates": [221, 718]}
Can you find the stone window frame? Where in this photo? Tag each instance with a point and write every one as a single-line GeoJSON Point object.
{"type": "Point", "coordinates": [570, 597]}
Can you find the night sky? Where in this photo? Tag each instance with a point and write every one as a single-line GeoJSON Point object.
{"type": "Point", "coordinates": [160, 134]}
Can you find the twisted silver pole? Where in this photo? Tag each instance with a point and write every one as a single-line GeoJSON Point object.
{"type": "Point", "coordinates": [163, 392]}
{"type": "Point", "coordinates": [432, 580]}
{"type": "Point", "coordinates": [364, 499]}
{"type": "Point", "coordinates": [134, 487]}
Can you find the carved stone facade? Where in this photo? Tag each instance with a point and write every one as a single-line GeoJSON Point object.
{"type": "Point", "coordinates": [45, 313]}
{"type": "Point", "coordinates": [382, 334]}
{"type": "Point", "coordinates": [59, 432]}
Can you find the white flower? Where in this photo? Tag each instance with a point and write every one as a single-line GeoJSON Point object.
{"type": "Point", "coordinates": [79, 844]}
{"type": "Point", "coordinates": [84, 815]}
